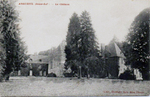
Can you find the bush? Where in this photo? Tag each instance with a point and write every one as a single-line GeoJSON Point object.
{"type": "Point", "coordinates": [127, 75]}
{"type": "Point", "coordinates": [1, 73]}
{"type": "Point", "coordinates": [25, 71]}
{"type": "Point", "coordinates": [51, 75]}
{"type": "Point", "coordinates": [14, 73]}
{"type": "Point", "coordinates": [1, 78]}
{"type": "Point", "coordinates": [68, 74]}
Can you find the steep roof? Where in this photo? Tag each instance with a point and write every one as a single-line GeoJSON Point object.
{"type": "Point", "coordinates": [38, 59]}
{"type": "Point", "coordinates": [113, 50]}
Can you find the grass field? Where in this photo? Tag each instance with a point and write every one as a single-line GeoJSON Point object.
{"type": "Point", "coordinates": [42, 86]}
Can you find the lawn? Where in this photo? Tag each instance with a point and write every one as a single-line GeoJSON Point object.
{"type": "Point", "coordinates": [42, 86]}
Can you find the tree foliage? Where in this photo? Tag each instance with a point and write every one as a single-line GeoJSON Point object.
{"type": "Point", "coordinates": [71, 48]}
{"type": "Point", "coordinates": [88, 48]}
{"type": "Point", "coordinates": [95, 66]}
{"type": "Point", "coordinates": [82, 47]}
{"type": "Point", "coordinates": [136, 44]}
{"type": "Point", "coordinates": [88, 44]}
{"type": "Point", "coordinates": [13, 45]}
{"type": "Point", "coordinates": [2, 56]}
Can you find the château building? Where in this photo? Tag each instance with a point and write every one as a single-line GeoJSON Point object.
{"type": "Point", "coordinates": [114, 59]}
{"type": "Point", "coordinates": [50, 61]}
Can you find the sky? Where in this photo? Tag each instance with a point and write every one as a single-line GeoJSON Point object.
{"type": "Point", "coordinates": [45, 26]}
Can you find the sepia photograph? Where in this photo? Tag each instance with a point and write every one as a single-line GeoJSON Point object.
{"type": "Point", "coordinates": [74, 48]}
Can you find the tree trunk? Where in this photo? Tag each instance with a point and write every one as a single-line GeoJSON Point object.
{"type": "Point", "coordinates": [79, 72]}
{"type": "Point", "coordinates": [1, 78]}
{"type": "Point", "coordinates": [87, 73]}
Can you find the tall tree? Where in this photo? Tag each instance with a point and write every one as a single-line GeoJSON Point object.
{"type": "Point", "coordinates": [136, 44]}
{"type": "Point", "coordinates": [14, 47]}
{"type": "Point", "coordinates": [2, 57]}
{"type": "Point", "coordinates": [72, 39]}
{"type": "Point", "coordinates": [88, 46]}
{"type": "Point", "coordinates": [82, 51]}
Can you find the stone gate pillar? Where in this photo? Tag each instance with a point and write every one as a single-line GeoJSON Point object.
{"type": "Point", "coordinates": [30, 73]}
{"type": "Point", "coordinates": [19, 72]}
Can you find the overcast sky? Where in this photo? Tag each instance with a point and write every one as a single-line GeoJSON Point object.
{"type": "Point", "coordinates": [45, 26]}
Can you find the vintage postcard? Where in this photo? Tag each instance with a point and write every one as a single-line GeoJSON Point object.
{"type": "Point", "coordinates": [74, 47]}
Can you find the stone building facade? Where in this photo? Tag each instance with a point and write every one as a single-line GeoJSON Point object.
{"type": "Point", "coordinates": [56, 65]}
{"type": "Point", "coordinates": [114, 59]}
{"type": "Point", "coordinates": [36, 65]}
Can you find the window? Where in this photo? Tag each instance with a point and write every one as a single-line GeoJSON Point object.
{"type": "Point", "coordinates": [40, 60]}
